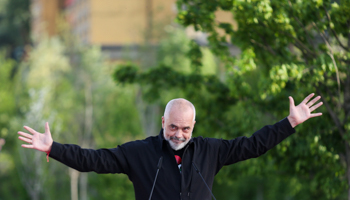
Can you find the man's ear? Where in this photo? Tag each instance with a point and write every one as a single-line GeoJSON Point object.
{"type": "Point", "coordinates": [163, 121]}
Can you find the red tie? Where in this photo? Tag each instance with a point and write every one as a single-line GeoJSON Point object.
{"type": "Point", "coordinates": [178, 159]}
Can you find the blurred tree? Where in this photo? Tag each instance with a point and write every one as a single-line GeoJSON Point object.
{"type": "Point", "coordinates": [288, 47]}
{"type": "Point", "coordinates": [296, 45]}
{"type": "Point", "coordinates": [2, 142]}
{"type": "Point", "coordinates": [15, 30]}
{"type": "Point", "coordinates": [11, 187]}
{"type": "Point", "coordinates": [14, 26]}
{"type": "Point", "coordinates": [72, 89]}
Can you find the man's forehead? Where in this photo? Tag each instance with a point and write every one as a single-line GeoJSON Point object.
{"type": "Point", "coordinates": [181, 107]}
{"type": "Point", "coordinates": [182, 112]}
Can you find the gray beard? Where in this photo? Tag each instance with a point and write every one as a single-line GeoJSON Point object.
{"type": "Point", "coordinates": [174, 146]}
{"type": "Point", "coordinates": [177, 147]}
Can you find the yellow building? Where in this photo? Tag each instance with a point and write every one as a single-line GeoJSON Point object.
{"type": "Point", "coordinates": [104, 22]}
{"type": "Point", "coordinates": [112, 24]}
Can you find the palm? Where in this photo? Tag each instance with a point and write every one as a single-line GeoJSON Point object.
{"type": "Point", "coordinates": [302, 112]}
{"type": "Point", "coordinates": [40, 141]}
{"type": "Point", "coordinates": [36, 140]}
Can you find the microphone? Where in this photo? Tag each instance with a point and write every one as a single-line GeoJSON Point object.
{"type": "Point", "coordinates": [195, 167]}
{"type": "Point", "coordinates": [155, 179]}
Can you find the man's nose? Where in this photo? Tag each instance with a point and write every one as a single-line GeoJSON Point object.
{"type": "Point", "coordinates": [178, 133]}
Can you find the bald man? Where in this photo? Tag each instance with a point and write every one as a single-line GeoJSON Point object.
{"type": "Point", "coordinates": [176, 158]}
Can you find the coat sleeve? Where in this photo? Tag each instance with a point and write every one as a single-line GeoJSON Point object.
{"type": "Point", "coordinates": [242, 148]}
{"type": "Point", "coordinates": [86, 160]}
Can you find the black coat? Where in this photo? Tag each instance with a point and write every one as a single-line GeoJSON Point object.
{"type": "Point", "coordinates": [139, 160]}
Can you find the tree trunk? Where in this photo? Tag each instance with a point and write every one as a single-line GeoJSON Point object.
{"type": "Point", "coordinates": [346, 109]}
{"type": "Point", "coordinates": [83, 182]}
{"type": "Point", "coordinates": [32, 174]}
{"type": "Point", "coordinates": [74, 175]}
{"type": "Point", "coordinates": [260, 192]}
{"type": "Point", "coordinates": [87, 135]}
{"type": "Point", "coordinates": [149, 20]}
{"type": "Point", "coordinates": [347, 154]}
{"type": "Point", "coordinates": [148, 115]}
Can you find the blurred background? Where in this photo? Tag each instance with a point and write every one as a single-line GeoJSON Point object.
{"type": "Point", "coordinates": [101, 73]}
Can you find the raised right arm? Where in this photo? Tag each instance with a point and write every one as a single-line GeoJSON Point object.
{"type": "Point", "coordinates": [84, 160]}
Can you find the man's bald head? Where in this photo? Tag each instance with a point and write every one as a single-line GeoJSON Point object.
{"type": "Point", "coordinates": [178, 122]}
{"type": "Point", "coordinates": [179, 104]}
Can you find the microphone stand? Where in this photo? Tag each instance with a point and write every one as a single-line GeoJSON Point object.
{"type": "Point", "coordinates": [195, 167]}
{"type": "Point", "coordinates": [155, 179]}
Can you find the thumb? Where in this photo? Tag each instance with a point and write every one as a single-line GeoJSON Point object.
{"type": "Point", "coordinates": [291, 102]}
{"type": "Point", "coordinates": [47, 128]}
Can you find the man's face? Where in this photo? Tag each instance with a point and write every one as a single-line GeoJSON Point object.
{"type": "Point", "coordinates": [178, 127]}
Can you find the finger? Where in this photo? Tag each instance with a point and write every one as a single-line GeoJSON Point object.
{"type": "Point", "coordinates": [291, 102]}
{"type": "Point", "coordinates": [29, 146]}
{"type": "Point", "coordinates": [313, 101]}
{"type": "Point", "coordinates": [307, 98]}
{"type": "Point", "coordinates": [315, 115]}
{"type": "Point", "coordinates": [25, 139]}
{"type": "Point", "coordinates": [316, 106]}
{"type": "Point", "coordinates": [47, 128]}
{"type": "Point", "coordinates": [32, 131]}
{"type": "Point", "coordinates": [25, 134]}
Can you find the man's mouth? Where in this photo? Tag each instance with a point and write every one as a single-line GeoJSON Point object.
{"type": "Point", "coordinates": [177, 140]}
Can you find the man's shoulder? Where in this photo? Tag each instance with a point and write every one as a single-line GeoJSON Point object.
{"type": "Point", "coordinates": [205, 140]}
{"type": "Point", "coordinates": [152, 140]}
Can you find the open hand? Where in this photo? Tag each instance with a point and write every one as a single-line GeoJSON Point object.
{"type": "Point", "coordinates": [36, 140]}
{"type": "Point", "coordinates": [302, 112]}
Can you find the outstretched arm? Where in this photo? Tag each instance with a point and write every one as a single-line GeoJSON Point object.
{"type": "Point", "coordinates": [39, 141]}
{"type": "Point", "coordinates": [243, 148]}
{"type": "Point", "coordinates": [84, 160]}
{"type": "Point", "coordinates": [302, 112]}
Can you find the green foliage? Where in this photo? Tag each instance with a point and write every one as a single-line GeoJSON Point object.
{"type": "Point", "coordinates": [73, 90]}
{"type": "Point", "coordinates": [8, 161]}
{"type": "Point", "coordinates": [14, 27]}
{"type": "Point", "coordinates": [288, 48]}
{"type": "Point", "coordinates": [7, 103]}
